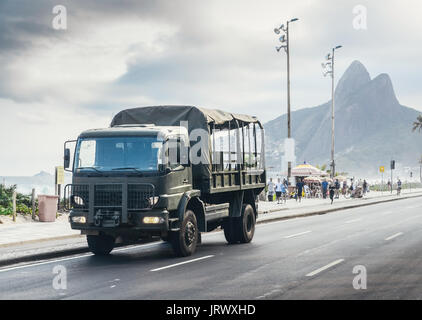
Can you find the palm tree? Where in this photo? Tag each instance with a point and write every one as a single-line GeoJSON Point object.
{"type": "Point", "coordinates": [417, 125]}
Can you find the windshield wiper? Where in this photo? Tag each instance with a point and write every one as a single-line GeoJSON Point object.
{"type": "Point", "coordinates": [127, 168]}
{"type": "Point", "coordinates": [82, 168]}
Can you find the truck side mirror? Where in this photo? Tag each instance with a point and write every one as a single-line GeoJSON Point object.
{"type": "Point", "coordinates": [66, 158]}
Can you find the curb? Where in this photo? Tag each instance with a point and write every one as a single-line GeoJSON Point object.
{"type": "Point", "coordinates": [325, 211]}
{"type": "Point", "coordinates": [71, 236]}
{"type": "Point", "coordinates": [68, 252]}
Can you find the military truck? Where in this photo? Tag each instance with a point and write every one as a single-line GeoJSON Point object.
{"type": "Point", "coordinates": [166, 171]}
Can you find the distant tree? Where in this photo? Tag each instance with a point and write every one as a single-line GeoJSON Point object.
{"type": "Point", "coordinates": [417, 125]}
{"type": "Point", "coordinates": [344, 174]}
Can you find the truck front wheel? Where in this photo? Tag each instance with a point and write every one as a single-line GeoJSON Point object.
{"type": "Point", "coordinates": [185, 240]}
{"type": "Point", "coordinates": [100, 245]}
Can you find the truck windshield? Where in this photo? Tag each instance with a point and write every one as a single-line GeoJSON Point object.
{"type": "Point", "coordinates": [118, 154]}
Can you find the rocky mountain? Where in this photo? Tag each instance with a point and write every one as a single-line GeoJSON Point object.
{"type": "Point", "coordinates": [371, 128]}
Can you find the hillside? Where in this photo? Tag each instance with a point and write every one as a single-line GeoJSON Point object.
{"type": "Point", "coordinates": [371, 127]}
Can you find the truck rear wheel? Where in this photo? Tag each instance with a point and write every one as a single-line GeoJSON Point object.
{"type": "Point", "coordinates": [247, 224]}
{"type": "Point", "coordinates": [100, 245]}
{"type": "Point", "coordinates": [185, 240]}
{"type": "Point", "coordinates": [241, 229]}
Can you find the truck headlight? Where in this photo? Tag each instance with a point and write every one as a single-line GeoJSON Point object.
{"type": "Point", "coordinates": [152, 220]}
{"type": "Point", "coordinates": [78, 201]}
{"type": "Point", "coordinates": [153, 201]}
{"type": "Point", "coordinates": [79, 219]}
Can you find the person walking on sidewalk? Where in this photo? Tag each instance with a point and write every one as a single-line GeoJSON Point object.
{"type": "Point", "coordinates": [271, 190]}
{"type": "Point", "coordinates": [337, 187]}
{"type": "Point", "coordinates": [398, 186]}
{"type": "Point", "coordinates": [299, 190]}
{"type": "Point", "coordinates": [344, 190]}
{"type": "Point", "coordinates": [278, 186]}
{"type": "Point", "coordinates": [324, 185]}
{"type": "Point", "coordinates": [281, 192]}
{"type": "Point", "coordinates": [365, 186]}
{"type": "Point", "coordinates": [332, 192]}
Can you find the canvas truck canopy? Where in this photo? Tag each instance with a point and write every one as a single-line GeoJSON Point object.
{"type": "Point", "coordinates": [173, 115]}
{"type": "Point", "coordinates": [197, 118]}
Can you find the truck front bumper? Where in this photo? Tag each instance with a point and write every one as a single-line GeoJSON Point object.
{"type": "Point", "coordinates": [148, 221]}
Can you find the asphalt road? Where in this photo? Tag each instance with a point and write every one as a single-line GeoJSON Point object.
{"type": "Point", "coordinates": [304, 258]}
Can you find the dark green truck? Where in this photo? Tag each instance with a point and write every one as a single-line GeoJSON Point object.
{"type": "Point", "coordinates": [166, 171]}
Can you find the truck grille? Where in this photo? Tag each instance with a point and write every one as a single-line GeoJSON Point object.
{"type": "Point", "coordinates": [139, 195]}
{"type": "Point", "coordinates": [76, 197]}
{"type": "Point", "coordinates": [108, 196]}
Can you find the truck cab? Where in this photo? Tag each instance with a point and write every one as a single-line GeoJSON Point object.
{"type": "Point", "coordinates": [145, 176]}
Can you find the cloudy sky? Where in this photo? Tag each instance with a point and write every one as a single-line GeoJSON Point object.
{"type": "Point", "coordinates": [213, 53]}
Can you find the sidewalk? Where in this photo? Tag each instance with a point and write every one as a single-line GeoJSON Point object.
{"type": "Point", "coordinates": [292, 209]}
{"type": "Point", "coordinates": [11, 234]}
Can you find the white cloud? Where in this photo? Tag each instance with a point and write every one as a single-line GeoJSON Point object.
{"type": "Point", "coordinates": [214, 53]}
{"type": "Point", "coordinates": [32, 138]}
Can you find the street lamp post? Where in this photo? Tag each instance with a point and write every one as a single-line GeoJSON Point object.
{"type": "Point", "coordinates": [285, 40]}
{"type": "Point", "coordinates": [329, 64]}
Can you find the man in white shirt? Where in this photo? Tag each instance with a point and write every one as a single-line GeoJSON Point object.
{"type": "Point", "coordinates": [271, 190]}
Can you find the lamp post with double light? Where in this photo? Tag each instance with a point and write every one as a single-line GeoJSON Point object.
{"type": "Point", "coordinates": [328, 65]}
{"type": "Point", "coordinates": [285, 44]}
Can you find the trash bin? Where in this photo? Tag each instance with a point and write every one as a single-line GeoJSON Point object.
{"type": "Point", "coordinates": [47, 208]}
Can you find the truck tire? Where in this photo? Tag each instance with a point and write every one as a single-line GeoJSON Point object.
{"type": "Point", "coordinates": [100, 245]}
{"type": "Point", "coordinates": [230, 232]}
{"type": "Point", "coordinates": [246, 228]}
{"type": "Point", "coordinates": [240, 229]}
{"type": "Point", "coordinates": [185, 240]}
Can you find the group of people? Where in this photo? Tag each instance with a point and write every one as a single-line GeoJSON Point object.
{"type": "Point", "coordinates": [398, 186]}
{"type": "Point", "coordinates": [280, 189]}
{"type": "Point", "coordinates": [331, 189]}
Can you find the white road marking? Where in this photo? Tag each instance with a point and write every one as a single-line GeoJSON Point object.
{"type": "Point", "coordinates": [311, 274]}
{"type": "Point", "coordinates": [45, 262]}
{"type": "Point", "coordinates": [296, 234]}
{"type": "Point", "coordinates": [76, 257]}
{"type": "Point", "coordinates": [394, 236]}
{"type": "Point", "coordinates": [181, 263]}
{"type": "Point", "coordinates": [354, 220]}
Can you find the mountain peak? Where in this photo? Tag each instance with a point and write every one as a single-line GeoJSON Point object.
{"type": "Point", "coordinates": [42, 174]}
{"type": "Point", "coordinates": [382, 83]}
{"type": "Point", "coordinates": [353, 78]}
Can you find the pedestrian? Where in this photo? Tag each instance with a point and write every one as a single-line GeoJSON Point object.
{"type": "Point", "coordinates": [299, 190]}
{"type": "Point", "coordinates": [365, 186]}
{"type": "Point", "coordinates": [332, 192]}
{"type": "Point", "coordinates": [324, 186]}
{"type": "Point", "coordinates": [278, 190]}
{"type": "Point", "coordinates": [271, 190]}
{"type": "Point", "coordinates": [284, 190]}
{"type": "Point", "coordinates": [344, 191]}
{"type": "Point", "coordinates": [398, 186]}
{"type": "Point", "coordinates": [307, 190]}
{"type": "Point", "coordinates": [337, 189]}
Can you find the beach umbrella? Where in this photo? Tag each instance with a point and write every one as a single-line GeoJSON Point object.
{"type": "Point", "coordinates": [306, 170]}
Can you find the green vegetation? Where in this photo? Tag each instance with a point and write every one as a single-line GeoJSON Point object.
{"type": "Point", "coordinates": [23, 202]}
{"type": "Point", "coordinates": [417, 125]}
{"type": "Point", "coordinates": [379, 187]}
